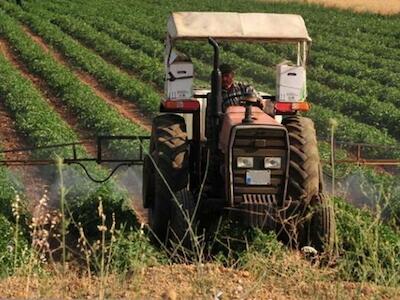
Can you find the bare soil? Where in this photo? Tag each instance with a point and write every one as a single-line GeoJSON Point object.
{"type": "Point", "coordinates": [34, 183]}
{"type": "Point", "coordinates": [10, 138]}
{"type": "Point", "coordinates": [383, 7]}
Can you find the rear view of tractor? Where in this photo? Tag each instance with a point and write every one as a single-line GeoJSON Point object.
{"type": "Point", "coordinates": [263, 169]}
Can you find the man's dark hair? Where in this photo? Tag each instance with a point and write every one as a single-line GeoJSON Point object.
{"type": "Point", "coordinates": [226, 69]}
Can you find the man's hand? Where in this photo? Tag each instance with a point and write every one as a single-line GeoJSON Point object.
{"type": "Point", "coordinates": [267, 105]}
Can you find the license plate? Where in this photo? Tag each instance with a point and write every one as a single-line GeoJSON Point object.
{"type": "Point", "coordinates": [258, 177]}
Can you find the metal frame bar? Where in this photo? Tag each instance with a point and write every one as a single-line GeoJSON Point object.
{"type": "Point", "coordinates": [99, 157]}
{"type": "Point", "coordinates": [359, 160]}
{"type": "Point", "coordinates": [369, 162]}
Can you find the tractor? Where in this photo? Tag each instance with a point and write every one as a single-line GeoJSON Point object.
{"type": "Point", "coordinates": [263, 170]}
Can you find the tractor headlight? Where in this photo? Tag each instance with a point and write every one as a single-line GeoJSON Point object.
{"type": "Point", "coordinates": [245, 162]}
{"type": "Point", "coordinates": [272, 162]}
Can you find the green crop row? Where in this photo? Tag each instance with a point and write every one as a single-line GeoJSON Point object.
{"type": "Point", "coordinates": [330, 113]}
{"type": "Point", "coordinates": [380, 91]}
{"type": "Point", "coordinates": [378, 30]}
{"type": "Point", "coordinates": [109, 76]}
{"type": "Point", "coordinates": [356, 69]}
{"type": "Point", "coordinates": [315, 19]}
{"type": "Point", "coordinates": [93, 113]}
{"type": "Point", "coordinates": [130, 38]}
{"type": "Point", "coordinates": [41, 126]}
{"type": "Point", "coordinates": [363, 88]}
{"type": "Point", "coordinates": [348, 129]}
{"type": "Point", "coordinates": [143, 66]}
{"type": "Point", "coordinates": [363, 109]}
{"type": "Point", "coordinates": [120, 44]}
{"type": "Point", "coordinates": [372, 55]}
{"type": "Point", "coordinates": [386, 41]}
{"type": "Point", "coordinates": [366, 87]}
{"type": "Point", "coordinates": [258, 54]}
{"type": "Point", "coordinates": [33, 116]}
{"type": "Point", "coordinates": [121, 54]}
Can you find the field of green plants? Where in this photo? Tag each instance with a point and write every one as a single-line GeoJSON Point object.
{"type": "Point", "coordinates": [353, 77]}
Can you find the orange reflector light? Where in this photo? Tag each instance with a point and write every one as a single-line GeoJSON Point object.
{"type": "Point", "coordinates": [183, 105]}
{"type": "Point", "coordinates": [290, 107]}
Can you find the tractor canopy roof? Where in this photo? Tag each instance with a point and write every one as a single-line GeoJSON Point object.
{"type": "Point", "coordinates": [283, 28]}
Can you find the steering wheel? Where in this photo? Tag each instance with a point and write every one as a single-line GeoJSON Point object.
{"type": "Point", "coordinates": [251, 100]}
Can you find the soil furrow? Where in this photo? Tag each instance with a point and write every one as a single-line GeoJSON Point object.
{"type": "Point", "coordinates": [124, 107]}
{"type": "Point", "coordinates": [55, 103]}
{"type": "Point", "coordinates": [34, 183]}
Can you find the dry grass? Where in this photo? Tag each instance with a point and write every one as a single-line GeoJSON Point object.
{"type": "Point", "coordinates": [298, 280]}
{"type": "Point", "coordinates": [384, 7]}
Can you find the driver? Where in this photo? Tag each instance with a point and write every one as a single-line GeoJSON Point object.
{"type": "Point", "coordinates": [233, 92]}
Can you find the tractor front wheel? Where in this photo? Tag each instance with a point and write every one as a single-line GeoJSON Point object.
{"type": "Point", "coordinates": [319, 231]}
{"type": "Point", "coordinates": [312, 220]}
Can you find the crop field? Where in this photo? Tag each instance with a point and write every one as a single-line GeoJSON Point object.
{"type": "Point", "coordinates": [74, 70]}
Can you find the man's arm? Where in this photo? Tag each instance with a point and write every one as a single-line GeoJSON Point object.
{"type": "Point", "coordinates": [267, 105]}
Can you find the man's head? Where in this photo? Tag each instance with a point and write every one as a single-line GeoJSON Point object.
{"type": "Point", "coordinates": [228, 75]}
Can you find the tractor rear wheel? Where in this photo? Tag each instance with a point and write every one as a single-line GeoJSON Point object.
{"type": "Point", "coordinates": [171, 155]}
{"type": "Point", "coordinates": [315, 220]}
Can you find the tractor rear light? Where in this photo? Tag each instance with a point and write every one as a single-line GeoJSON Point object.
{"type": "Point", "coordinates": [301, 106]}
{"type": "Point", "coordinates": [272, 162]}
{"type": "Point", "coordinates": [290, 107]}
{"type": "Point", "coordinates": [182, 105]}
{"type": "Point", "coordinates": [245, 162]}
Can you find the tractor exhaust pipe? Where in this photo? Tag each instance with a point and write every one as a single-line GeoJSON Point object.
{"type": "Point", "coordinates": [216, 112]}
{"type": "Point", "coordinates": [216, 85]}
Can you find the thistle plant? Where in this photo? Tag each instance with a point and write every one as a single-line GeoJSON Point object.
{"type": "Point", "coordinates": [333, 125]}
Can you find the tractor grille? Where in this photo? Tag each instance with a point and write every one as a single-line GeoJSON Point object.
{"type": "Point", "coordinates": [259, 210]}
{"type": "Point", "coordinates": [259, 199]}
{"type": "Point", "coordinates": [259, 143]}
